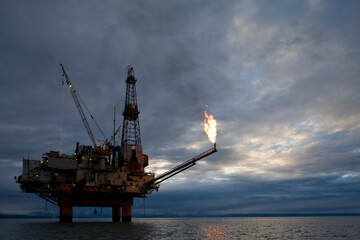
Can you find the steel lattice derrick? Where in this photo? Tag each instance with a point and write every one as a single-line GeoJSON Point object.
{"type": "Point", "coordinates": [131, 125]}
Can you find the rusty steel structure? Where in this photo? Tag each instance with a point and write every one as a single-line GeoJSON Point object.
{"type": "Point", "coordinates": [108, 175]}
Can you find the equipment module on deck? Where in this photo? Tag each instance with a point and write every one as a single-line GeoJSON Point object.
{"type": "Point", "coordinates": [104, 176]}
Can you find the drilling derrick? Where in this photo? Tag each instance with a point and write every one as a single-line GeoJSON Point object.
{"type": "Point", "coordinates": [131, 125]}
{"type": "Point", "coordinates": [132, 160]}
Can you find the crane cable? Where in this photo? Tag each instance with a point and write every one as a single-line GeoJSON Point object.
{"type": "Point", "coordinates": [83, 103]}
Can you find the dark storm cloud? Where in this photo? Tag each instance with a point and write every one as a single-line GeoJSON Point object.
{"type": "Point", "coordinates": [281, 78]}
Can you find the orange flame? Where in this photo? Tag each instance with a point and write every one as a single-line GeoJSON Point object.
{"type": "Point", "coordinates": [210, 127]}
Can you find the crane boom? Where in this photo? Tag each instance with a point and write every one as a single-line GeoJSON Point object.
{"type": "Point", "coordinates": [77, 103]}
{"type": "Point", "coordinates": [182, 167]}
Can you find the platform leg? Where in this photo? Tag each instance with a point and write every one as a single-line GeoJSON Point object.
{"type": "Point", "coordinates": [116, 214]}
{"type": "Point", "coordinates": [126, 213]}
{"type": "Point", "coordinates": [65, 213]}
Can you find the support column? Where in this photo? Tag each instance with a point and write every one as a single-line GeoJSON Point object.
{"type": "Point", "coordinates": [126, 213]}
{"type": "Point", "coordinates": [65, 213]}
{"type": "Point", "coordinates": [116, 214]}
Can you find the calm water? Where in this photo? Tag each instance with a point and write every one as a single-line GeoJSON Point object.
{"type": "Point", "coordinates": [185, 228]}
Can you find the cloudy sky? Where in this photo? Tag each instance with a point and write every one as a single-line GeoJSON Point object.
{"type": "Point", "coordinates": [280, 77]}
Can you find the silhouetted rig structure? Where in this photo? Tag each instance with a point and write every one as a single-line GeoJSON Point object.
{"type": "Point", "coordinates": [99, 176]}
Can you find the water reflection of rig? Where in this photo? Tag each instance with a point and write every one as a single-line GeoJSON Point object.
{"type": "Point", "coordinates": [99, 176]}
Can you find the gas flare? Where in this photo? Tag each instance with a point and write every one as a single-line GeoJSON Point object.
{"type": "Point", "coordinates": [210, 127]}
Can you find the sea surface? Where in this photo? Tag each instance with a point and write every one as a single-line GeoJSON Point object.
{"type": "Point", "coordinates": [185, 228]}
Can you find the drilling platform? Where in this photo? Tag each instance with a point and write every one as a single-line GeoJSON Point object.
{"type": "Point", "coordinates": [106, 175]}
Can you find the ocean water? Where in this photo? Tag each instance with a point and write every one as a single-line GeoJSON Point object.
{"type": "Point", "coordinates": [185, 228]}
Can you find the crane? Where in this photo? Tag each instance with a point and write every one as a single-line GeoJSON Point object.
{"type": "Point", "coordinates": [77, 103]}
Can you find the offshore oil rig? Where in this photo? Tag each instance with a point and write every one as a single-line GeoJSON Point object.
{"type": "Point", "coordinates": [106, 175]}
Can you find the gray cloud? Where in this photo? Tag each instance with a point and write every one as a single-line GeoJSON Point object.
{"type": "Point", "coordinates": [280, 78]}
